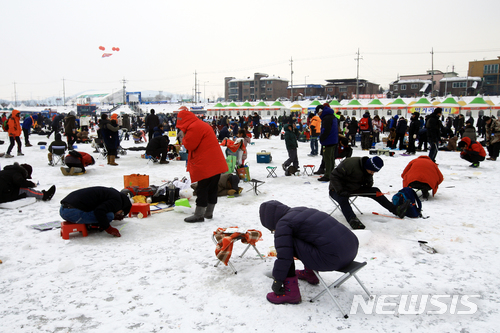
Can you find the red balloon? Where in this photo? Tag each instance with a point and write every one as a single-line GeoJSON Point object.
{"type": "Point", "coordinates": [102, 48]}
{"type": "Point", "coordinates": [117, 49]}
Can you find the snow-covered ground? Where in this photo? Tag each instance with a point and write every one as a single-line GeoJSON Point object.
{"type": "Point", "coordinates": [160, 275]}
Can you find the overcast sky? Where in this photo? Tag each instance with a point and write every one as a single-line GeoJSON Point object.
{"type": "Point", "coordinates": [162, 43]}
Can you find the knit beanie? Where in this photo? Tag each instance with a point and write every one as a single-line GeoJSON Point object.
{"type": "Point", "coordinates": [28, 168]}
{"type": "Point", "coordinates": [374, 164]}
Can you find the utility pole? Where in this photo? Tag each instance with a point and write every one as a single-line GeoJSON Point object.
{"type": "Point", "coordinates": [357, 73]}
{"type": "Point", "coordinates": [15, 95]}
{"type": "Point", "coordinates": [204, 90]}
{"type": "Point", "coordinates": [291, 74]}
{"type": "Point", "coordinates": [195, 89]}
{"type": "Point", "coordinates": [124, 100]}
{"type": "Point", "coordinates": [64, 94]}
{"type": "Point", "coordinates": [305, 88]}
{"type": "Point", "coordinates": [432, 72]}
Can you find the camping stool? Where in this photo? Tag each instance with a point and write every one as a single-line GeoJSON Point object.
{"type": "Point", "coordinates": [241, 236]}
{"type": "Point", "coordinates": [349, 271]}
{"type": "Point", "coordinates": [271, 172]}
{"type": "Point", "coordinates": [255, 184]}
{"type": "Point", "coordinates": [311, 168]}
{"type": "Point", "coordinates": [140, 208]}
{"type": "Point", "coordinates": [351, 201]}
{"type": "Point", "coordinates": [68, 227]}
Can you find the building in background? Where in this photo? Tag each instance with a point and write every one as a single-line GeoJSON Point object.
{"type": "Point", "coordinates": [346, 88]}
{"type": "Point", "coordinates": [488, 71]}
{"type": "Point", "coordinates": [260, 87]}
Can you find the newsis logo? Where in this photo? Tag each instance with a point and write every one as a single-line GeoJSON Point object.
{"type": "Point", "coordinates": [415, 305]}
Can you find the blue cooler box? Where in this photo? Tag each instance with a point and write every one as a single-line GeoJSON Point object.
{"type": "Point", "coordinates": [264, 157]}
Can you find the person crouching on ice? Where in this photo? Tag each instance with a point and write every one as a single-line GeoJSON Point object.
{"type": "Point", "coordinates": [314, 237]}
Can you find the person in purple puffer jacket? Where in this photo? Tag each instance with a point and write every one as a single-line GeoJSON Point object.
{"type": "Point", "coordinates": [314, 237]}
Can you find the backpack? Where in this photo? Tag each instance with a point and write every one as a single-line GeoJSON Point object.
{"type": "Point", "coordinates": [407, 193]}
{"type": "Point", "coordinates": [363, 124]}
{"type": "Point", "coordinates": [5, 125]}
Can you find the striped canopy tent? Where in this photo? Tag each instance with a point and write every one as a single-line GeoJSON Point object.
{"type": "Point", "coordinates": [398, 103]}
{"type": "Point", "coordinates": [298, 108]}
{"type": "Point", "coordinates": [449, 106]}
{"type": "Point", "coordinates": [374, 104]}
{"type": "Point", "coordinates": [477, 103]}
{"type": "Point", "coordinates": [352, 105]}
{"type": "Point", "coordinates": [423, 106]}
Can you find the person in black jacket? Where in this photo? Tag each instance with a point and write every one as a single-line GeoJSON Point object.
{"type": "Point", "coordinates": [354, 177]}
{"type": "Point", "coordinates": [109, 131]}
{"type": "Point", "coordinates": [314, 237]}
{"type": "Point", "coordinates": [413, 132]}
{"type": "Point", "coordinates": [96, 205]}
{"type": "Point", "coordinates": [151, 122]}
{"type": "Point", "coordinates": [159, 147]}
{"type": "Point", "coordinates": [433, 126]}
{"type": "Point", "coordinates": [400, 133]}
{"type": "Point", "coordinates": [329, 138]}
{"type": "Point", "coordinates": [14, 184]}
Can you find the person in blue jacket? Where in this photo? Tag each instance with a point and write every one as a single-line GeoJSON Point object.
{"type": "Point", "coordinates": [314, 237]}
{"type": "Point", "coordinates": [27, 125]}
{"type": "Point", "coordinates": [329, 138]}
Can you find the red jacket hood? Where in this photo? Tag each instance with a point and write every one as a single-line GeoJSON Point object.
{"type": "Point", "coordinates": [185, 119]}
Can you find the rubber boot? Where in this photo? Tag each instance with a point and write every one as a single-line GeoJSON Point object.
{"type": "Point", "coordinates": [199, 212]}
{"type": "Point", "coordinates": [47, 195]}
{"type": "Point", "coordinates": [292, 293]}
{"type": "Point", "coordinates": [112, 160]}
{"type": "Point", "coordinates": [210, 211]}
{"type": "Point", "coordinates": [308, 275]}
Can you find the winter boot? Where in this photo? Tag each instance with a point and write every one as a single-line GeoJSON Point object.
{"type": "Point", "coordinates": [113, 231]}
{"type": "Point", "coordinates": [231, 192]}
{"type": "Point", "coordinates": [401, 209]}
{"type": "Point", "coordinates": [308, 275]}
{"type": "Point", "coordinates": [355, 223]}
{"type": "Point", "coordinates": [8, 155]}
{"type": "Point", "coordinates": [319, 172]}
{"type": "Point", "coordinates": [199, 212]}
{"type": "Point", "coordinates": [65, 171]}
{"type": "Point", "coordinates": [210, 211]}
{"type": "Point", "coordinates": [112, 160]}
{"type": "Point", "coordinates": [292, 293]}
{"type": "Point", "coordinates": [47, 195]}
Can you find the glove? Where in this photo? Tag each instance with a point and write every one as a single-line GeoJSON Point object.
{"type": "Point", "coordinates": [344, 194]}
{"type": "Point", "coordinates": [278, 288]}
{"type": "Point", "coordinates": [113, 231]}
{"type": "Point", "coordinates": [414, 136]}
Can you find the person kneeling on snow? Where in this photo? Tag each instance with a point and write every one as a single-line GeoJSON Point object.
{"type": "Point", "coordinates": [314, 237]}
{"type": "Point", "coordinates": [76, 161]}
{"type": "Point", "coordinates": [422, 174]}
{"type": "Point", "coordinates": [354, 177]}
{"type": "Point", "coordinates": [14, 184]}
{"type": "Point", "coordinates": [96, 205]}
{"type": "Point", "coordinates": [472, 151]}
{"type": "Point", "coordinates": [158, 147]}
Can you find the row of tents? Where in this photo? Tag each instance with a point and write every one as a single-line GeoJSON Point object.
{"type": "Point", "coordinates": [386, 107]}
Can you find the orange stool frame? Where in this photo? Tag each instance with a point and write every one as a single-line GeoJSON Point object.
{"type": "Point", "coordinates": [68, 227]}
{"type": "Point", "coordinates": [137, 208]}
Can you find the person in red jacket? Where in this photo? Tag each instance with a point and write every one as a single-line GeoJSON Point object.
{"type": "Point", "coordinates": [76, 161]}
{"type": "Point", "coordinates": [205, 162]}
{"type": "Point", "coordinates": [14, 124]}
{"type": "Point", "coordinates": [422, 174]}
{"type": "Point", "coordinates": [472, 151]}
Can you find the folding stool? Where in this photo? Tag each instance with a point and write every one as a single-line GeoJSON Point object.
{"type": "Point", "coordinates": [311, 168]}
{"type": "Point", "coordinates": [349, 271]}
{"type": "Point", "coordinates": [255, 184]}
{"type": "Point", "coordinates": [271, 172]}
{"type": "Point", "coordinates": [58, 155]}
{"type": "Point", "coordinates": [239, 237]}
{"type": "Point", "coordinates": [351, 201]}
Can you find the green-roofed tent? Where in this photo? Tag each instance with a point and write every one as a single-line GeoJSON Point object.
{"type": "Point", "coordinates": [261, 104]}
{"type": "Point", "coordinates": [334, 102]}
{"type": "Point", "coordinates": [422, 101]}
{"type": "Point", "coordinates": [232, 105]}
{"type": "Point", "coordinates": [376, 102]}
{"type": "Point", "coordinates": [315, 102]}
{"type": "Point", "coordinates": [397, 103]}
{"type": "Point", "coordinates": [219, 105]}
{"type": "Point", "coordinates": [477, 103]}
{"type": "Point", "coordinates": [449, 106]}
{"type": "Point", "coordinates": [449, 100]}
{"type": "Point", "coordinates": [277, 103]}
{"type": "Point", "coordinates": [247, 104]}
